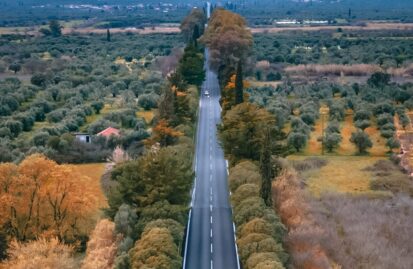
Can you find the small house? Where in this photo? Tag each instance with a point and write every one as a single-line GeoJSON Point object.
{"type": "Point", "coordinates": [109, 132]}
{"type": "Point", "coordinates": [83, 137]}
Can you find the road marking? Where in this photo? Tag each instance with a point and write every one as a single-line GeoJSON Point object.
{"type": "Point", "coordinates": [210, 208]}
{"type": "Point", "coordinates": [226, 162]}
{"type": "Point", "coordinates": [212, 266]}
{"type": "Point", "coordinates": [210, 220]}
{"type": "Point", "coordinates": [187, 238]}
{"type": "Point", "coordinates": [212, 251]}
{"type": "Point", "coordinates": [210, 234]}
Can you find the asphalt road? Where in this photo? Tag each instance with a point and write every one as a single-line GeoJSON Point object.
{"type": "Point", "coordinates": [210, 238]}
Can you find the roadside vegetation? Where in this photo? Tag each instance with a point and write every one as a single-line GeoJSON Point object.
{"type": "Point", "coordinates": [151, 95]}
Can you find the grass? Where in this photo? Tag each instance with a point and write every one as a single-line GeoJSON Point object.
{"type": "Point", "coordinates": [341, 174]}
{"type": "Point", "coordinates": [94, 172]}
{"type": "Point", "coordinates": [147, 115]}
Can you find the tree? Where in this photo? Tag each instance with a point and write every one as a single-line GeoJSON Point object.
{"type": "Point", "coordinates": [164, 134]}
{"type": "Point", "coordinates": [195, 21]}
{"type": "Point", "coordinates": [361, 140]}
{"type": "Point", "coordinates": [379, 80]}
{"type": "Point", "coordinates": [243, 129]}
{"type": "Point", "coordinates": [55, 28]}
{"type": "Point", "coordinates": [239, 85]}
{"type": "Point", "coordinates": [101, 247]}
{"type": "Point", "coordinates": [266, 170]}
{"type": "Point", "coordinates": [44, 197]}
{"type": "Point", "coordinates": [191, 66]}
{"type": "Point", "coordinates": [97, 106]}
{"type": "Point", "coordinates": [108, 38]}
{"type": "Point", "coordinates": [297, 140]}
{"type": "Point", "coordinates": [38, 79]}
{"type": "Point", "coordinates": [155, 249]}
{"type": "Point", "coordinates": [331, 141]}
{"type": "Point", "coordinates": [392, 143]}
{"type": "Point", "coordinates": [229, 41]}
{"type": "Point", "coordinates": [362, 124]}
{"type": "Point", "coordinates": [15, 67]}
{"type": "Point", "coordinates": [162, 175]}
{"type": "Point", "coordinates": [15, 127]}
{"type": "Point", "coordinates": [42, 253]}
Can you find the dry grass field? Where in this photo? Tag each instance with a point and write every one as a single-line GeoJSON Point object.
{"type": "Point", "coordinates": [341, 174]}
{"type": "Point", "coordinates": [147, 115]}
{"type": "Point", "coordinates": [93, 173]}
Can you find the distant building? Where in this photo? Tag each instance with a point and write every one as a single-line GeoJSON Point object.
{"type": "Point", "coordinates": [83, 137]}
{"type": "Point", "coordinates": [109, 131]}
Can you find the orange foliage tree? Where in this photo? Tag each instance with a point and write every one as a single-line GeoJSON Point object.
{"type": "Point", "coordinates": [164, 134]}
{"type": "Point", "coordinates": [228, 93]}
{"type": "Point", "coordinates": [102, 246]}
{"type": "Point", "coordinates": [40, 197]}
{"type": "Point", "coordinates": [40, 253]}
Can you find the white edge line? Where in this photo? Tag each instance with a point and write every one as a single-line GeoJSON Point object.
{"type": "Point", "coordinates": [187, 238]}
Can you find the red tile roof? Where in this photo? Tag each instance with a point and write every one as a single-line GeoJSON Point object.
{"type": "Point", "coordinates": [109, 131]}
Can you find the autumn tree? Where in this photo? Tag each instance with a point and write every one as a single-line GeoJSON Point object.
{"type": "Point", "coordinates": [102, 246]}
{"type": "Point", "coordinates": [164, 134]}
{"type": "Point", "coordinates": [42, 253]}
{"type": "Point", "coordinates": [228, 40]}
{"type": "Point", "coordinates": [243, 129]}
{"type": "Point", "coordinates": [193, 23]}
{"type": "Point", "coordinates": [228, 94]}
{"type": "Point", "coordinates": [156, 249]}
{"type": "Point", "coordinates": [41, 197]}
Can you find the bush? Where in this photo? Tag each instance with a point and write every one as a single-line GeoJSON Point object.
{"type": "Point", "coordinates": [297, 140]}
{"type": "Point", "coordinates": [361, 141]}
{"type": "Point", "coordinates": [39, 80]}
{"type": "Point", "coordinates": [148, 101]}
{"type": "Point", "coordinates": [40, 139]}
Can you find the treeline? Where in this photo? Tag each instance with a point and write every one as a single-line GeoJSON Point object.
{"type": "Point", "coordinates": [245, 133]}
{"type": "Point", "coordinates": [382, 48]}
{"type": "Point", "coordinates": [149, 203]}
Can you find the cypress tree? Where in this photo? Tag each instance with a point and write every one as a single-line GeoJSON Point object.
{"type": "Point", "coordinates": [266, 169]}
{"type": "Point", "coordinates": [108, 35]}
{"type": "Point", "coordinates": [196, 35]}
{"type": "Point", "coordinates": [239, 85]}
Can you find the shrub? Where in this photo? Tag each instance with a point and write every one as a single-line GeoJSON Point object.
{"type": "Point", "coordinates": [148, 101]}
{"type": "Point", "coordinates": [297, 140]}
{"type": "Point", "coordinates": [40, 139]}
{"type": "Point", "coordinates": [361, 140]}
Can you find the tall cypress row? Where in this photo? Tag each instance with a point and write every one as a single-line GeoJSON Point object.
{"type": "Point", "coordinates": [239, 85]}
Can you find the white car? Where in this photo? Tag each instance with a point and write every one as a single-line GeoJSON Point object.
{"type": "Point", "coordinates": [206, 93]}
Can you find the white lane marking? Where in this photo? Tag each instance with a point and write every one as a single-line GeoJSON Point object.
{"type": "Point", "coordinates": [212, 266]}
{"type": "Point", "coordinates": [226, 162]}
{"type": "Point", "coordinates": [210, 233]}
{"type": "Point", "coordinates": [210, 166]}
{"type": "Point", "coordinates": [210, 219]}
{"type": "Point", "coordinates": [212, 251]}
{"type": "Point", "coordinates": [187, 238]}
{"type": "Point", "coordinates": [227, 172]}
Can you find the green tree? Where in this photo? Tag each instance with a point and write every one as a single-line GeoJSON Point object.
{"type": "Point", "coordinates": [243, 129]}
{"type": "Point", "coordinates": [379, 80]}
{"type": "Point", "coordinates": [162, 175]}
{"type": "Point", "coordinates": [97, 106]}
{"type": "Point", "coordinates": [361, 140]}
{"type": "Point", "coordinates": [239, 85]}
{"type": "Point", "coordinates": [191, 66]}
{"type": "Point", "coordinates": [15, 67]}
{"type": "Point", "coordinates": [331, 141]}
{"type": "Point", "coordinates": [297, 140]}
{"type": "Point", "coordinates": [196, 19]}
{"type": "Point", "coordinates": [55, 28]}
{"type": "Point", "coordinates": [392, 143]}
{"type": "Point", "coordinates": [266, 169]}
{"type": "Point", "coordinates": [108, 37]}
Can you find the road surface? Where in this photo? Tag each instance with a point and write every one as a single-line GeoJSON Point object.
{"type": "Point", "coordinates": [210, 238]}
